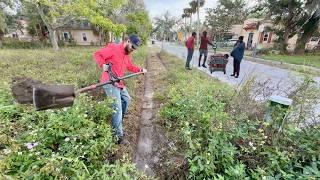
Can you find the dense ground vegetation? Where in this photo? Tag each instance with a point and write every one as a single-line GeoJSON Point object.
{"type": "Point", "coordinates": [63, 143]}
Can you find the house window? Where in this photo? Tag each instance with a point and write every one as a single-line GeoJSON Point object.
{"type": "Point", "coordinates": [66, 36]}
{"type": "Point", "coordinates": [84, 37]}
{"type": "Point", "coordinates": [85, 24]}
{"type": "Point", "coordinates": [265, 36]}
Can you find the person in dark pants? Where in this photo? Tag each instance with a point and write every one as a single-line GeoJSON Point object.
{"type": "Point", "coordinates": [190, 47]}
{"type": "Point", "coordinates": [237, 54]}
{"type": "Point", "coordinates": [203, 50]}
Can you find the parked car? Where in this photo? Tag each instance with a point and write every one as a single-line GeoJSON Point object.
{"type": "Point", "coordinates": [232, 42]}
{"type": "Point", "coordinates": [313, 43]}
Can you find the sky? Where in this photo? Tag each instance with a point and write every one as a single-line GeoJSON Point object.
{"type": "Point", "coordinates": [175, 7]}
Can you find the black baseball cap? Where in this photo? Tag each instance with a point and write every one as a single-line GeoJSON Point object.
{"type": "Point", "coordinates": [134, 39]}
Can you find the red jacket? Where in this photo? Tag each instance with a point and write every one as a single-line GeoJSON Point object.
{"type": "Point", "coordinates": [115, 54]}
{"type": "Point", "coordinates": [190, 43]}
{"type": "Point", "coordinates": [204, 43]}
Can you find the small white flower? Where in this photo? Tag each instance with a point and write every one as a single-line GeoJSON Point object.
{"type": "Point", "coordinates": [250, 144]}
{"type": "Point", "coordinates": [254, 148]}
{"type": "Point", "coordinates": [19, 153]}
{"type": "Point", "coordinates": [7, 151]}
{"type": "Point", "coordinates": [67, 139]}
{"type": "Point", "coordinates": [31, 145]}
{"type": "Point", "coordinates": [265, 137]}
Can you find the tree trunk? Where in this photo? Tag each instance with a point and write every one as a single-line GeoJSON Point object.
{"type": "Point", "coordinates": [284, 43]}
{"type": "Point", "coordinates": [53, 39]}
{"type": "Point", "coordinates": [308, 29]}
{"type": "Point", "coordinates": [301, 43]}
{"type": "Point", "coordinates": [100, 36]}
{"type": "Point", "coordinates": [1, 38]}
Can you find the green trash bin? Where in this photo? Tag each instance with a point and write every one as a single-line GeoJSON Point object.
{"type": "Point", "coordinates": [277, 108]}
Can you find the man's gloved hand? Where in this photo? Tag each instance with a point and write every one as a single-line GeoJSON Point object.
{"type": "Point", "coordinates": [105, 67]}
{"type": "Point", "coordinates": [144, 70]}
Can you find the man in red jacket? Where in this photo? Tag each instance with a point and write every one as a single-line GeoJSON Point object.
{"type": "Point", "coordinates": [190, 47]}
{"type": "Point", "coordinates": [203, 50]}
{"type": "Point", "coordinates": [118, 56]}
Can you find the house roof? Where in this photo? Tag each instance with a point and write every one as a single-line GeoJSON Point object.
{"type": "Point", "coordinates": [78, 25]}
{"type": "Point", "coordinates": [252, 25]}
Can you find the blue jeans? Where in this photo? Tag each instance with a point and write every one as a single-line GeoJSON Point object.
{"type": "Point", "coordinates": [189, 58]}
{"type": "Point", "coordinates": [120, 106]}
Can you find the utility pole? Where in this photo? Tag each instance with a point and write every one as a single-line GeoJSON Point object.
{"type": "Point", "coordinates": [198, 25]}
{"type": "Point", "coordinates": [162, 36]}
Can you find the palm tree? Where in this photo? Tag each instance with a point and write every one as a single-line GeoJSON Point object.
{"type": "Point", "coordinates": [195, 6]}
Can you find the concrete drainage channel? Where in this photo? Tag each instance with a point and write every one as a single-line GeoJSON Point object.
{"type": "Point", "coordinates": [149, 135]}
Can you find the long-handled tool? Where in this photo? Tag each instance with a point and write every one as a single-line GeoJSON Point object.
{"type": "Point", "coordinates": [42, 96]}
{"type": "Point", "coordinates": [58, 96]}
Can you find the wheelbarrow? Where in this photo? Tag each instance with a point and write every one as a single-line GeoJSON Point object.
{"type": "Point", "coordinates": [218, 62]}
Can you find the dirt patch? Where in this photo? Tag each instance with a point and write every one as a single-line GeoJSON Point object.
{"type": "Point", "coordinates": [131, 123]}
{"type": "Point", "coordinates": [154, 151]}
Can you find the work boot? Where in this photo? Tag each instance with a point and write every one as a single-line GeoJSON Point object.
{"type": "Point", "coordinates": [122, 141]}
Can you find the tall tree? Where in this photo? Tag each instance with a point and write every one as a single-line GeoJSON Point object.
{"type": "Point", "coordinates": [226, 14]}
{"type": "Point", "coordinates": [3, 24]}
{"type": "Point", "coordinates": [56, 13]}
{"type": "Point", "coordinates": [139, 23]}
{"type": "Point", "coordinates": [195, 6]}
{"type": "Point", "coordinates": [310, 24]}
{"type": "Point", "coordinates": [165, 25]}
{"type": "Point", "coordinates": [4, 16]}
{"type": "Point", "coordinates": [286, 16]}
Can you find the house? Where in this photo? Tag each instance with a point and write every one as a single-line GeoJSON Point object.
{"type": "Point", "coordinates": [256, 32]}
{"type": "Point", "coordinates": [79, 32]}
{"type": "Point", "coordinates": [20, 32]}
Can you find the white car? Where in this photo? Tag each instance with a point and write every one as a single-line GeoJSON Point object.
{"type": "Point", "coordinates": [232, 42]}
{"type": "Point", "coordinates": [314, 41]}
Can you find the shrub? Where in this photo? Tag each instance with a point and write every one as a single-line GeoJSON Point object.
{"type": "Point", "coordinates": [12, 43]}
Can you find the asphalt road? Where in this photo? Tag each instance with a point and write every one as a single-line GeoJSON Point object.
{"type": "Point", "coordinates": [276, 81]}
